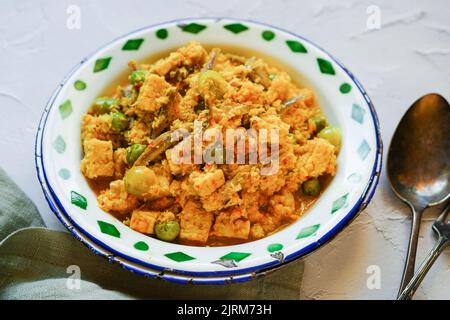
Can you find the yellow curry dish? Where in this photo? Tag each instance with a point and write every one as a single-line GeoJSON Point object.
{"type": "Point", "coordinates": [131, 152]}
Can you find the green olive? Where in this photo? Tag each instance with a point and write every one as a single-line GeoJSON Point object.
{"type": "Point", "coordinates": [134, 152]}
{"type": "Point", "coordinates": [119, 121]}
{"type": "Point", "coordinates": [311, 187]}
{"type": "Point", "coordinates": [211, 83]}
{"type": "Point", "coordinates": [138, 180]}
{"type": "Point", "coordinates": [332, 134]}
{"type": "Point", "coordinates": [104, 105]}
{"type": "Point", "coordinates": [167, 230]}
{"type": "Point", "coordinates": [137, 77]}
{"type": "Point", "coordinates": [319, 122]}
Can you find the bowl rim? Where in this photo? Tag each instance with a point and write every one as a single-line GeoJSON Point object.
{"type": "Point", "coordinates": [362, 202]}
{"type": "Point", "coordinates": [128, 265]}
{"type": "Point", "coordinates": [150, 273]}
{"type": "Point", "coordinates": [144, 271]}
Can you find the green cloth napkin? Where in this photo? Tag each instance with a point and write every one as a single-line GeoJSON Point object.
{"type": "Point", "coordinates": [38, 263]}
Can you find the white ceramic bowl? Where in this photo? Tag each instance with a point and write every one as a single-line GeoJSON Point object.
{"type": "Point", "coordinates": [130, 265]}
{"type": "Point", "coordinates": [342, 98]}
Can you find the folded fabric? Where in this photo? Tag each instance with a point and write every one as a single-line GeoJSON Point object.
{"type": "Point", "coordinates": [16, 209]}
{"type": "Point", "coordinates": [38, 263]}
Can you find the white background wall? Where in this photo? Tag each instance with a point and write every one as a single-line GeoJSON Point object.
{"type": "Point", "coordinates": [408, 57]}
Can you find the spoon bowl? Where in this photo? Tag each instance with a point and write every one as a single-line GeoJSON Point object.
{"type": "Point", "coordinates": [419, 163]}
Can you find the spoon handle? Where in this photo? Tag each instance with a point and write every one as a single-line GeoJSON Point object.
{"type": "Point", "coordinates": [423, 269]}
{"type": "Point", "coordinates": [408, 271]}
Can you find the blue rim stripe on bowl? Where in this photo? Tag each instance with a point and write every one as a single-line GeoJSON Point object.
{"type": "Point", "coordinates": [155, 274]}
{"type": "Point", "coordinates": [360, 204]}
{"type": "Point", "coordinates": [377, 159]}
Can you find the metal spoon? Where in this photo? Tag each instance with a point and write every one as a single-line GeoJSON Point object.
{"type": "Point", "coordinates": [442, 228]}
{"type": "Point", "coordinates": [419, 164]}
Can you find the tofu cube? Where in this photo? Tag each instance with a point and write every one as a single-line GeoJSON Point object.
{"type": "Point", "coordinates": [191, 54]}
{"type": "Point", "coordinates": [98, 127]}
{"type": "Point", "coordinates": [195, 223]}
{"type": "Point", "coordinates": [120, 162]}
{"type": "Point", "coordinates": [153, 94]}
{"type": "Point", "coordinates": [205, 183]}
{"type": "Point", "coordinates": [232, 223]}
{"type": "Point", "coordinates": [98, 159]}
{"type": "Point", "coordinates": [144, 221]}
{"type": "Point", "coordinates": [318, 158]}
{"type": "Point", "coordinates": [116, 199]}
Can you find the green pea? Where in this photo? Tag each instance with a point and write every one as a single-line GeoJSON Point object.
{"type": "Point", "coordinates": [167, 230]}
{"type": "Point", "coordinates": [319, 122]}
{"type": "Point", "coordinates": [104, 105]}
{"type": "Point", "coordinates": [311, 187]}
{"type": "Point", "coordinates": [137, 77]}
{"type": "Point", "coordinates": [138, 180]}
{"type": "Point", "coordinates": [134, 152]}
{"type": "Point", "coordinates": [332, 134]}
{"type": "Point", "coordinates": [119, 121]}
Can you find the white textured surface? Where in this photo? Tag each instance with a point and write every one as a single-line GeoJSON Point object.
{"type": "Point", "coordinates": [409, 56]}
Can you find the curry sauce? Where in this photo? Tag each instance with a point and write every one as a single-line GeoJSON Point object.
{"type": "Point", "coordinates": [140, 171]}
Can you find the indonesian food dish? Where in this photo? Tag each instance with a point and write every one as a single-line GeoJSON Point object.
{"type": "Point", "coordinates": [130, 153]}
